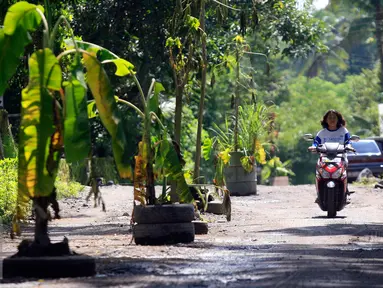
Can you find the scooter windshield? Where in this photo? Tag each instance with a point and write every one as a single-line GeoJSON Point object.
{"type": "Point", "coordinates": [331, 150]}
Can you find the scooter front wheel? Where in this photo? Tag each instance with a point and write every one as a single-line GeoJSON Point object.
{"type": "Point", "coordinates": [331, 203]}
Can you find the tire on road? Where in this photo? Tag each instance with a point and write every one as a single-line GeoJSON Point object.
{"type": "Point", "coordinates": [200, 227]}
{"type": "Point", "coordinates": [168, 213]}
{"type": "Point", "coordinates": [163, 233]}
{"type": "Point", "coordinates": [49, 267]}
{"type": "Point", "coordinates": [216, 207]}
{"type": "Point", "coordinates": [331, 204]}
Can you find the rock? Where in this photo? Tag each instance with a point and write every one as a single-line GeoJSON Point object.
{"type": "Point", "coordinates": [126, 214]}
{"type": "Point", "coordinates": [379, 185]}
{"type": "Point", "coordinates": [99, 181]}
{"type": "Point", "coordinates": [365, 173]}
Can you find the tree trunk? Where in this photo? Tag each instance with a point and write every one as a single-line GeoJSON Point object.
{"type": "Point", "coordinates": [177, 133]}
{"type": "Point", "coordinates": [197, 162]}
{"type": "Point", "coordinates": [7, 143]}
{"type": "Point", "coordinates": [41, 224]}
{"type": "Point", "coordinates": [1, 148]}
{"type": "Point", "coordinates": [379, 24]}
{"type": "Point", "coordinates": [178, 114]}
{"type": "Point", "coordinates": [236, 102]}
{"type": "Point", "coordinates": [151, 193]}
{"type": "Point", "coordinates": [150, 176]}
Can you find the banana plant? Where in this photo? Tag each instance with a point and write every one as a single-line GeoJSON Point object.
{"type": "Point", "coordinates": [275, 167]}
{"type": "Point", "coordinates": [53, 111]}
{"type": "Point", "coordinates": [154, 158]}
{"type": "Point", "coordinates": [54, 114]}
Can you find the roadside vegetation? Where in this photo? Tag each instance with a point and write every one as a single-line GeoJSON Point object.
{"type": "Point", "coordinates": [65, 185]}
{"type": "Point", "coordinates": [333, 62]}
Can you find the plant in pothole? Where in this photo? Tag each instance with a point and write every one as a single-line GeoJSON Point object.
{"type": "Point", "coordinates": [239, 144]}
{"type": "Point", "coordinates": [158, 221]}
{"type": "Point", "coordinates": [54, 115]}
{"type": "Point", "coordinates": [54, 112]}
{"type": "Point", "coordinates": [274, 167]}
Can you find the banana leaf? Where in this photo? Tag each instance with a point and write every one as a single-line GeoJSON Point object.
{"type": "Point", "coordinates": [92, 111]}
{"type": "Point", "coordinates": [109, 114]}
{"type": "Point", "coordinates": [77, 131]}
{"type": "Point", "coordinates": [154, 102]}
{"type": "Point", "coordinates": [40, 141]}
{"type": "Point", "coordinates": [11, 48]}
{"type": "Point", "coordinates": [20, 18]}
{"type": "Point", "coordinates": [123, 66]}
{"type": "Point", "coordinates": [168, 159]}
{"type": "Point", "coordinates": [207, 148]}
{"type": "Point", "coordinates": [22, 14]}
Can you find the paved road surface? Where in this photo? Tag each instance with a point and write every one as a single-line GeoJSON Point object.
{"type": "Point", "coordinates": [278, 238]}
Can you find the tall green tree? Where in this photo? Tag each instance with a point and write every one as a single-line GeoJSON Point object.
{"type": "Point", "coordinates": [356, 98]}
{"type": "Point", "coordinates": [258, 20]}
{"type": "Point", "coordinates": [372, 19]}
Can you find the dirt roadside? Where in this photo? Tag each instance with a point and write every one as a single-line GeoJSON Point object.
{"type": "Point", "coordinates": [278, 238]}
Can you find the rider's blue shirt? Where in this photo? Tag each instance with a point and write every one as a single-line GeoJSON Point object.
{"type": "Point", "coordinates": [340, 135]}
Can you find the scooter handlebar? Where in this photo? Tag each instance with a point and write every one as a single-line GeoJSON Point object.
{"type": "Point", "coordinates": [319, 149]}
{"type": "Point", "coordinates": [350, 148]}
{"type": "Point", "coordinates": [312, 149]}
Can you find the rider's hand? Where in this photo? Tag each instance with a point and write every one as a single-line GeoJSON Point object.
{"type": "Point", "coordinates": [312, 149]}
{"type": "Point", "coordinates": [350, 148]}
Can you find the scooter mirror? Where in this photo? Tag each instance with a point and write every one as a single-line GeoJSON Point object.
{"type": "Point", "coordinates": [308, 137]}
{"type": "Point", "coordinates": [355, 138]}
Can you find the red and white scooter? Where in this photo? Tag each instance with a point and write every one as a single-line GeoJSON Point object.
{"type": "Point", "coordinates": [331, 175]}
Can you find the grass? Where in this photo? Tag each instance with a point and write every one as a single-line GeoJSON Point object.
{"type": "Point", "coordinates": [66, 187]}
{"type": "Point", "coordinates": [103, 167]}
{"type": "Point", "coordinates": [367, 182]}
{"type": "Point", "coordinates": [8, 188]}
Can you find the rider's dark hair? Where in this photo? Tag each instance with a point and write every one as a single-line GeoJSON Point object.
{"type": "Point", "coordinates": [341, 121]}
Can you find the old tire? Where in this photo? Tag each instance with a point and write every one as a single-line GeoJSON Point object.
{"type": "Point", "coordinates": [49, 267]}
{"type": "Point", "coordinates": [170, 213]}
{"type": "Point", "coordinates": [163, 233]}
{"type": "Point", "coordinates": [200, 227]}
{"type": "Point", "coordinates": [215, 207]}
{"type": "Point", "coordinates": [331, 204]}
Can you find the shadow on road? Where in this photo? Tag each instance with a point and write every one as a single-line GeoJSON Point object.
{"type": "Point", "coordinates": [375, 230]}
{"type": "Point", "coordinates": [100, 229]}
{"type": "Point", "coordinates": [82, 230]}
{"type": "Point", "coordinates": [325, 217]}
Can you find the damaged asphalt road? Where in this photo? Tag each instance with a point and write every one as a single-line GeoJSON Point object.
{"type": "Point", "coordinates": [278, 238]}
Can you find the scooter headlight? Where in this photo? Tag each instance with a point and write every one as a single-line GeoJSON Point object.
{"type": "Point", "coordinates": [337, 173]}
{"type": "Point", "coordinates": [324, 173]}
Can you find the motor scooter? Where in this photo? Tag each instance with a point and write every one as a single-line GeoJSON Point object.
{"type": "Point", "coordinates": [331, 175]}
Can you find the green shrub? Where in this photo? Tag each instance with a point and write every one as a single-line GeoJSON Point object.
{"type": "Point", "coordinates": [66, 187]}
{"type": "Point", "coordinates": [104, 167]}
{"type": "Point", "coordinates": [8, 188]}
{"type": "Point", "coordinates": [66, 190]}
{"type": "Point", "coordinates": [80, 172]}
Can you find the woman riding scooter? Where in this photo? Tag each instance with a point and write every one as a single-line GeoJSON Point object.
{"type": "Point", "coordinates": [334, 130]}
